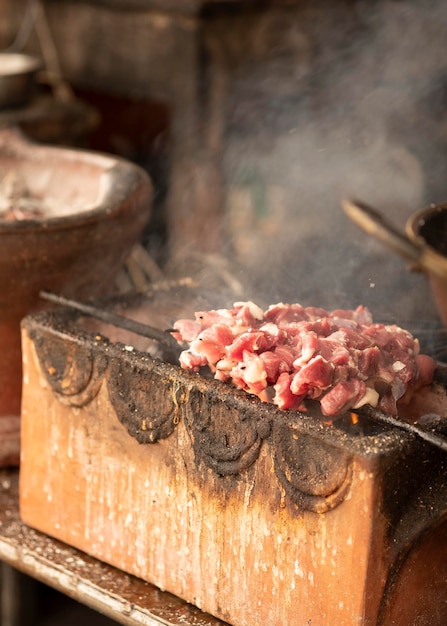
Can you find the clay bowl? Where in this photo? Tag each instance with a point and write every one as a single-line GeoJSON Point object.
{"type": "Point", "coordinates": [91, 210]}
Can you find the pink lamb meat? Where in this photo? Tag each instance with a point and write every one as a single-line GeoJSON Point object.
{"type": "Point", "coordinates": [289, 354]}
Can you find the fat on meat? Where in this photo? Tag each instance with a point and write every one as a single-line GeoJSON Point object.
{"type": "Point", "coordinates": [289, 353]}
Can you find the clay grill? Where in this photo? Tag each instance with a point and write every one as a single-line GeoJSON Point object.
{"type": "Point", "coordinates": [255, 515]}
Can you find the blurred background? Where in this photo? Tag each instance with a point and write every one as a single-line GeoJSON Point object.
{"type": "Point", "coordinates": [254, 119]}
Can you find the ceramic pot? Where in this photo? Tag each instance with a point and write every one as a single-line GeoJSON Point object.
{"type": "Point", "coordinates": [94, 209]}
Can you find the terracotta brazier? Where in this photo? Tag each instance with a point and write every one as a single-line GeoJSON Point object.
{"type": "Point", "coordinates": [255, 515]}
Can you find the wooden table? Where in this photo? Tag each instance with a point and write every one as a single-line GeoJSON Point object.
{"type": "Point", "coordinates": [123, 598]}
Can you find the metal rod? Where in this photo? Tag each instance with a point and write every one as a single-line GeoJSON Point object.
{"type": "Point", "coordinates": [167, 340]}
{"type": "Point", "coordinates": [114, 319]}
{"type": "Point", "coordinates": [378, 416]}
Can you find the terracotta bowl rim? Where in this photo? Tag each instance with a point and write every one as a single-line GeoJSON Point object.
{"type": "Point", "coordinates": [117, 199]}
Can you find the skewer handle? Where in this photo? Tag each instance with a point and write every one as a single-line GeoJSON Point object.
{"type": "Point", "coordinates": [414, 429]}
{"type": "Point", "coordinates": [145, 330]}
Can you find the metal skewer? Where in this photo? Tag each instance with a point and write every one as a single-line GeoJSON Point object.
{"type": "Point", "coordinates": [164, 337]}
{"type": "Point", "coordinates": [145, 330]}
{"type": "Point", "coordinates": [378, 416]}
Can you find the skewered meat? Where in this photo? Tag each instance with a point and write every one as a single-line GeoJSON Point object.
{"type": "Point", "coordinates": [289, 354]}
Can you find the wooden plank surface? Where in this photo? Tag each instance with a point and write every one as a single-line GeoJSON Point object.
{"type": "Point", "coordinates": [124, 598]}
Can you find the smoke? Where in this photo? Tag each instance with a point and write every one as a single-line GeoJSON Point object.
{"type": "Point", "coordinates": [326, 100]}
